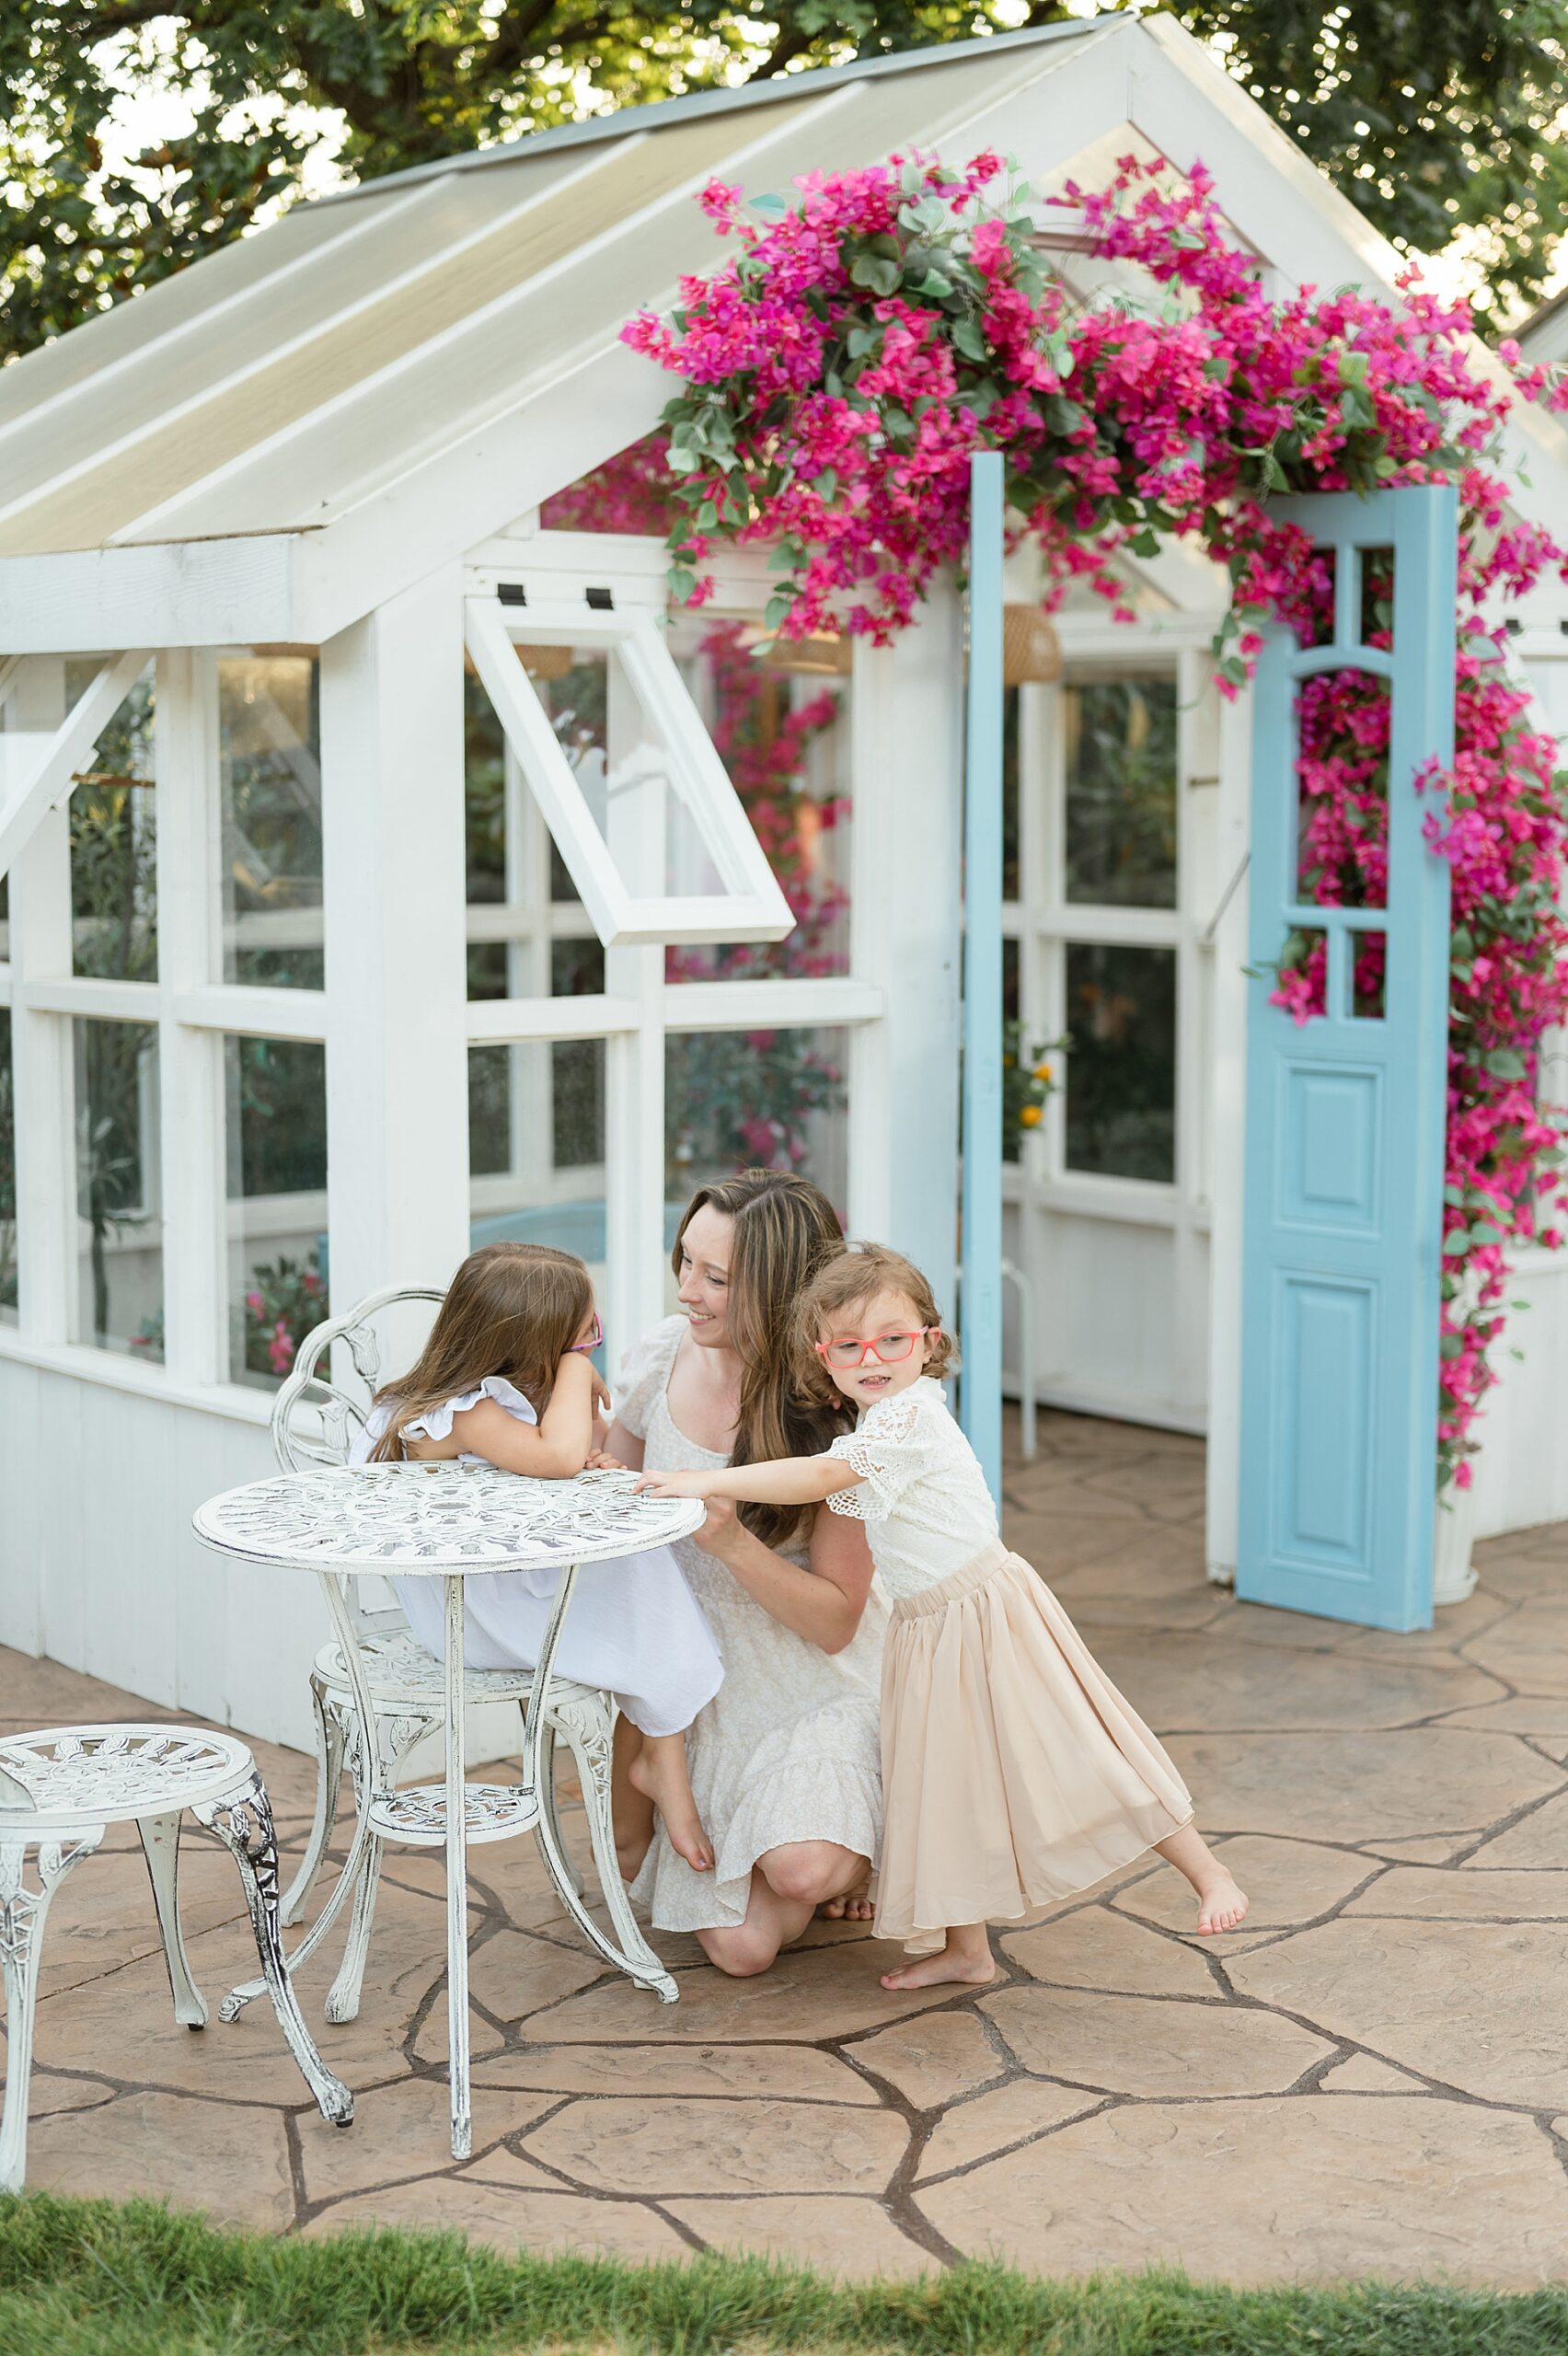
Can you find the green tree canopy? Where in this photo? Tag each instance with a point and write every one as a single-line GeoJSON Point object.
{"type": "Point", "coordinates": [1430, 117]}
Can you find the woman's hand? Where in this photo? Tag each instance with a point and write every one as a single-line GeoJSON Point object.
{"type": "Point", "coordinates": [676, 1484]}
{"type": "Point", "coordinates": [717, 1534]}
{"type": "Point", "coordinates": [601, 1460]}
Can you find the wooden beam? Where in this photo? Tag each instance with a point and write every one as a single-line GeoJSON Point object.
{"type": "Point", "coordinates": [39, 762]}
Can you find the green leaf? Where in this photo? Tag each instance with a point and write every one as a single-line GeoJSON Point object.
{"type": "Point", "coordinates": [875, 271]}
{"type": "Point", "coordinates": [968, 340]}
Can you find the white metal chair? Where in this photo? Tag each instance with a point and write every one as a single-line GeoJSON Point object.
{"type": "Point", "coordinates": [315, 1418]}
{"type": "Point", "coordinates": [59, 1789]}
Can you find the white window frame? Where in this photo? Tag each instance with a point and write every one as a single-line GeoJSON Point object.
{"type": "Point", "coordinates": [1045, 924]}
{"type": "Point", "coordinates": [751, 907]}
{"type": "Point", "coordinates": [194, 1009]}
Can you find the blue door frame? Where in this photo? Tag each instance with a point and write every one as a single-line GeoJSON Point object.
{"type": "Point", "coordinates": [1344, 1125]}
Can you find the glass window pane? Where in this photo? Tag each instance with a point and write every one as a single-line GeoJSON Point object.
{"type": "Point", "coordinates": [1119, 740]}
{"type": "Point", "coordinates": [537, 1145]}
{"type": "Point", "coordinates": [757, 1100]}
{"type": "Point", "coordinates": [1011, 790]}
{"type": "Point", "coordinates": [119, 1303]}
{"type": "Point", "coordinates": [275, 1098]}
{"type": "Point", "coordinates": [1121, 1073]}
{"type": "Point", "coordinates": [518, 891]}
{"type": "Point", "coordinates": [114, 848]}
{"type": "Point", "coordinates": [781, 728]}
{"type": "Point", "coordinates": [269, 763]}
{"type": "Point", "coordinates": [7, 1178]}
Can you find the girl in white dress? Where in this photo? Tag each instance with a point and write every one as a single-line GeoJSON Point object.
{"type": "Point", "coordinates": [1013, 1772]}
{"type": "Point", "coordinates": [506, 1378]}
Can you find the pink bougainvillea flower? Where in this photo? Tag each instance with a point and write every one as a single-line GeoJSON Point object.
{"type": "Point", "coordinates": [841, 369]}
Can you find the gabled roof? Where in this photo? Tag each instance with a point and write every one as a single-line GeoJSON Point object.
{"type": "Point", "coordinates": [287, 433]}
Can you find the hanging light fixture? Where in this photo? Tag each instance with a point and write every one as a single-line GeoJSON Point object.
{"type": "Point", "coordinates": [828, 655]}
{"type": "Point", "coordinates": [1031, 650]}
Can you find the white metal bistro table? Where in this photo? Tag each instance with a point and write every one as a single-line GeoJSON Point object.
{"type": "Point", "coordinates": [447, 1522]}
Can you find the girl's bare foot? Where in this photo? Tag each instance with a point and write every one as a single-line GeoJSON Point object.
{"type": "Point", "coordinates": [1222, 1903]}
{"type": "Point", "coordinates": [966, 1957]}
{"type": "Point", "coordinates": [849, 1906]}
{"type": "Point", "coordinates": [631, 1812]}
{"type": "Point", "coordinates": [659, 1771]}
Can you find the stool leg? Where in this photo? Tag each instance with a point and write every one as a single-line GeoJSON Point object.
{"type": "Point", "coordinates": [330, 1737]}
{"type": "Point", "coordinates": [160, 1846]}
{"type": "Point", "coordinates": [22, 1914]}
{"type": "Point", "coordinates": [243, 1821]}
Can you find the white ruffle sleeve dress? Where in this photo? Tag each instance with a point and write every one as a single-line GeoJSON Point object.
{"type": "Point", "coordinates": [787, 1749]}
{"type": "Point", "coordinates": [634, 1628]}
{"type": "Point", "coordinates": [1013, 1772]}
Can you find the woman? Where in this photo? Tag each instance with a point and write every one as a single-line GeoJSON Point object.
{"type": "Point", "coordinates": [785, 1759]}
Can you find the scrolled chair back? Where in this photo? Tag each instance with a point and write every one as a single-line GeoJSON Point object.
{"type": "Point", "coordinates": [316, 1420]}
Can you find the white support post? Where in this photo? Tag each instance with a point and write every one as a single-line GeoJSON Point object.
{"type": "Point", "coordinates": [192, 1060]}
{"type": "Point", "coordinates": [40, 1044]}
{"type": "Point", "coordinates": [1227, 1142]}
{"type": "Point", "coordinates": [906, 936]}
{"type": "Point", "coordinates": [393, 888]}
{"type": "Point", "coordinates": [634, 1067]}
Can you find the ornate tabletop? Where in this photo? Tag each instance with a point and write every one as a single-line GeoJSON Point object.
{"type": "Point", "coordinates": [437, 1520]}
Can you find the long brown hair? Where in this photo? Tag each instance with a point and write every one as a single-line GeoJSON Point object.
{"type": "Point", "coordinates": [512, 1309]}
{"type": "Point", "coordinates": [785, 1229]}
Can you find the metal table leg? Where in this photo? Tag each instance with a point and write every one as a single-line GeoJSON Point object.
{"type": "Point", "coordinates": [638, 1962]}
{"type": "Point", "coordinates": [457, 1882]}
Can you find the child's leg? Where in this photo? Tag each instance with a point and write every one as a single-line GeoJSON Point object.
{"type": "Point", "coordinates": [1222, 1902]}
{"type": "Point", "coordinates": [631, 1812]}
{"type": "Point", "coordinates": [966, 1957]}
{"type": "Point", "coordinates": [659, 1772]}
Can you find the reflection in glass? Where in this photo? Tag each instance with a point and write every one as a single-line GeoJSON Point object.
{"type": "Point", "coordinates": [114, 849]}
{"type": "Point", "coordinates": [1121, 1073]}
{"type": "Point", "coordinates": [7, 1177]}
{"type": "Point", "coordinates": [119, 1302]}
{"type": "Point", "coordinates": [270, 767]}
{"type": "Point", "coordinates": [1120, 749]}
{"type": "Point", "coordinates": [537, 1145]}
{"type": "Point", "coordinates": [756, 1099]}
{"type": "Point", "coordinates": [275, 1100]}
{"type": "Point", "coordinates": [781, 728]}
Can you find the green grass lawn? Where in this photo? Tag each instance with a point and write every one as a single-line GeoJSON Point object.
{"type": "Point", "coordinates": [80, 2277]}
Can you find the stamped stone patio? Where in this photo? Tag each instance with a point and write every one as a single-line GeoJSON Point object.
{"type": "Point", "coordinates": [1372, 2077]}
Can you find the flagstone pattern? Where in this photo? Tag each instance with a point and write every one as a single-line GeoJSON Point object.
{"type": "Point", "coordinates": [1370, 2077]}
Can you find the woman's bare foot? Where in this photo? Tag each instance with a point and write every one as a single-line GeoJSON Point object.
{"type": "Point", "coordinates": [1222, 1903]}
{"type": "Point", "coordinates": [966, 1957]}
{"type": "Point", "coordinates": [659, 1771]}
{"type": "Point", "coordinates": [849, 1906]}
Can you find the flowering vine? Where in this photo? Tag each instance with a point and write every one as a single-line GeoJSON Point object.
{"type": "Point", "coordinates": [866, 338]}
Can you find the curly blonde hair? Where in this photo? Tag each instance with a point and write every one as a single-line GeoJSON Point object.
{"type": "Point", "coordinates": [848, 1282]}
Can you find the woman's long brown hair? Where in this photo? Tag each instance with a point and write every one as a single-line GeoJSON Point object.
{"type": "Point", "coordinates": [785, 1229]}
{"type": "Point", "coordinates": [512, 1309]}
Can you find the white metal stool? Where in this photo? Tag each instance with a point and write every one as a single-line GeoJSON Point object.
{"type": "Point", "coordinates": [59, 1790]}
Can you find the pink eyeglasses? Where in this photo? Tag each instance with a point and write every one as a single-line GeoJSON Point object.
{"type": "Point", "coordinates": [849, 1349]}
{"type": "Point", "coordinates": [595, 1338]}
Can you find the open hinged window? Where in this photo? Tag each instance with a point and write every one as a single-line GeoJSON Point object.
{"type": "Point", "coordinates": [641, 809]}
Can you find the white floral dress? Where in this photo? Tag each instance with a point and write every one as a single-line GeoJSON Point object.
{"type": "Point", "coordinates": [787, 1749]}
{"type": "Point", "coordinates": [632, 1628]}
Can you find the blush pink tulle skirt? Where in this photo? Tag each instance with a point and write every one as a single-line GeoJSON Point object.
{"type": "Point", "coordinates": [1013, 1772]}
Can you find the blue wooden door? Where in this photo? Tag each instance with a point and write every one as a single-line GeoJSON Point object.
{"type": "Point", "coordinates": [1344, 1125]}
